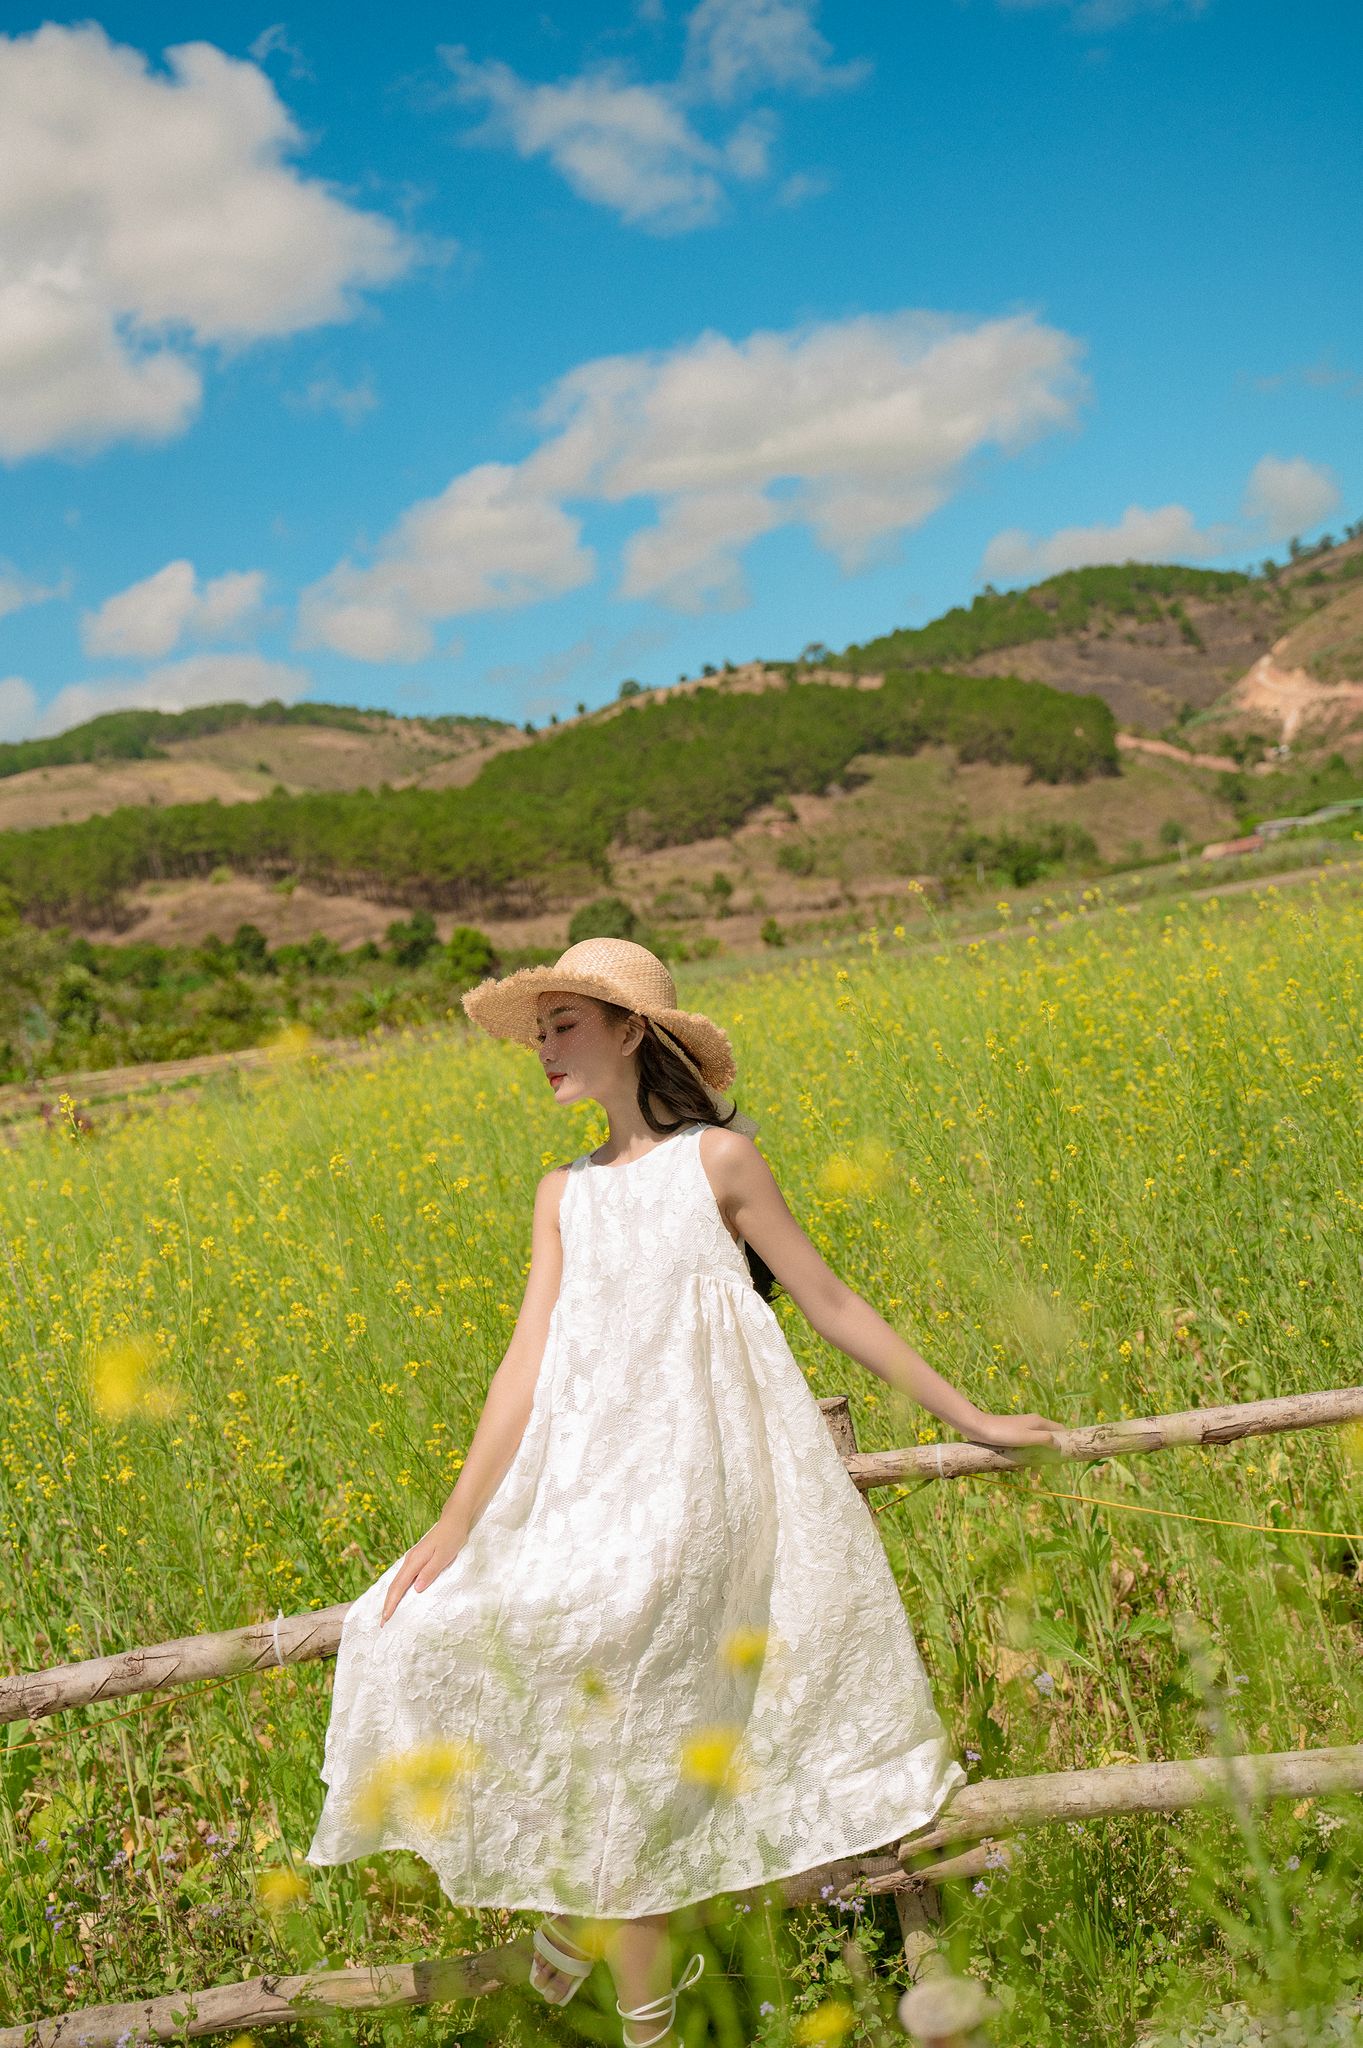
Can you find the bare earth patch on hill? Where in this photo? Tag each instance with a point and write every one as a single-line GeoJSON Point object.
{"type": "Point", "coordinates": [1330, 643]}
{"type": "Point", "coordinates": [245, 763]}
{"type": "Point", "coordinates": [870, 841]}
{"type": "Point", "coordinates": [186, 913]}
{"type": "Point", "coordinates": [1297, 703]}
{"type": "Point", "coordinates": [91, 789]}
{"type": "Point", "coordinates": [394, 751]}
{"type": "Point", "coordinates": [1145, 671]}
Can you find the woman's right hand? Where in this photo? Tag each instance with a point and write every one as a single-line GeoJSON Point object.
{"type": "Point", "coordinates": [424, 1563]}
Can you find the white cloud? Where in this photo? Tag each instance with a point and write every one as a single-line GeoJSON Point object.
{"type": "Point", "coordinates": [690, 559]}
{"type": "Point", "coordinates": [152, 617]}
{"type": "Point", "coordinates": [18, 591]}
{"type": "Point", "coordinates": [18, 708]}
{"type": "Point", "coordinates": [1099, 15]}
{"type": "Point", "coordinates": [636, 148]}
{"type": "Point", "coordinates": [144, 214]}
{"type": "Point", "coordinates": [735, 47]}
{"type": "Point", "coordinates": [867, 422]}
{"type": "Point", "coordinates": [274, 41]}
{"type": "Point", "coordinates": [349, 401]}
{"type": "Point", "coordinates": [857, 429]}
{"type": "Point", "coordinates": [1322, 375]}
{"type": "Point", "coordinates": [491, 541]}
{"type": "Point", "coordinates": [1289, 497]}
{"type": "Point", "coordinates": [1168, 534]}
{"type": "Point", "coordinates": [1281, 498]}
{"type": "Point", "coordinates": [802, 185]}
{"type": "Point", "coordinates": [625, 146]}
{"type": "Point", "coordinates": [174, 686]}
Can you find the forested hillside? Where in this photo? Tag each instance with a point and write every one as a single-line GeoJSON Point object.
{"type": "Point", "coordinates": [137, 735]}
{"type": "Point", "coordinates": [663, 773]}
{"type": "Point", "coordinates": [1062, 604]}
{"type": "Point", "coordinates": [1160, 643]}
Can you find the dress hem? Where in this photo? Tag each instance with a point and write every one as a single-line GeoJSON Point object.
{"type": "Point", "coordinates": [862, 1844]}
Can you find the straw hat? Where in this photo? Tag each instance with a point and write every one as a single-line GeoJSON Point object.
{"type": "Point", "coordinates": [617, 971]}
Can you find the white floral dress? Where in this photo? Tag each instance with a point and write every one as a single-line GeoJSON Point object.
{"type": "Point", "coordinates": [671, 1659]}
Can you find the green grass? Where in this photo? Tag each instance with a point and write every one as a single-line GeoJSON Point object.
{"type": "Point", "coordinates": [1106, 1170]}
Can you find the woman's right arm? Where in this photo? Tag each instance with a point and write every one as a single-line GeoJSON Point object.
{"type": "Point", "coordinates": [506, 1409]}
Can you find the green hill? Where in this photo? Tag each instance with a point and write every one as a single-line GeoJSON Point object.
{"type": "Point", "coordinates": [660, 772]}
{"type": "Point", "coordinates": [136, 735]}
{"type": "Point", "coordinates": [1062, 604]}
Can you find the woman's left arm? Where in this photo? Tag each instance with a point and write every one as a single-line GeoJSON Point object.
{"type": "Point", "coordinates": [749, 1197]}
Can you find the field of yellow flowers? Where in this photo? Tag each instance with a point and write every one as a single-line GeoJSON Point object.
{"type": "Point", "coordinates": [1104, 1170]}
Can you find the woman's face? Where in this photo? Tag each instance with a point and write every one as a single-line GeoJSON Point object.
{"type": "Point", "coordinates": [583, 1053]}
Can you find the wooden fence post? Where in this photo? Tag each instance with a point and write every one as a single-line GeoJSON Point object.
{"type": "Point", "coordinates": [919, 1908]}
{"type": "Point", "coordinates": [837, 1413]}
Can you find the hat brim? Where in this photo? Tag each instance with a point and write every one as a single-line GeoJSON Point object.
{"type": "Point", "coordinates": [506, 1008]}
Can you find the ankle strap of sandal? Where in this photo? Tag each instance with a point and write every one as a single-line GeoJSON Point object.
{"type": "Point", "coordinates": [665, 2005]}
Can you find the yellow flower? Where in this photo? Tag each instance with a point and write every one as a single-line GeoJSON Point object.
{"type": "Point", "coordinates": [420, 1785]}
{"type": "Point", "coordinates": [289, 1041]}
{"type": "Point", "coordinates": [862, 1171]}
{"type": "Point", "coordinates": [828, 2022]}
{"type": "Point", "coordinates": [278, 1890]}
{"type": "Point", "coordinates": [119, 1383]}
{"type": "Point", "coordinates": [594, 1687]}
{"type": "Point", "coordinates": [743, 1646]}
{"type": "Point", "coordinates": [707, 1757]}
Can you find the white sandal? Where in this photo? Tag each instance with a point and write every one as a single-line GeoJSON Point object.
{"type": "Point", "coordinates": [576, 1967]}
{"type": "Point", "coordinates": [654, 2008]}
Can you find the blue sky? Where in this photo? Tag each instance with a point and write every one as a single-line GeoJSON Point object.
{"type": "Point", "coordinates": [480, 362]}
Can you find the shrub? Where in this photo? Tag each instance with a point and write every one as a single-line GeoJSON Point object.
{"type": "Point", "coordinates": [469, 954]}
{"type": "Point", "coordinates": [410, 940]}
{"type": "Point", "coordinates": [607, 917]}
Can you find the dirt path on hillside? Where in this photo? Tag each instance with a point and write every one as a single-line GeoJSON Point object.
{"type": "Point", "coordinates": [1132, 743]}
{"type": "Point", "coordinates": [1296, 698]}
{"type": "Point", "coordinates": [158, 1075]}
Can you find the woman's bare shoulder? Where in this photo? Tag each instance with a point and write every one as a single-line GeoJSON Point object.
{"type": "Point", "coordinates": [550, 1185]}
{"type": "Point", "coordinates": [732, 1154]}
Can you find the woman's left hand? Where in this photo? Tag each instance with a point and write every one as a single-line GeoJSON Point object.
{"type": "Point", "coordinates": [1012, 1432]}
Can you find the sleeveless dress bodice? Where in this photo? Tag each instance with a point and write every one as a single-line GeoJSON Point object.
{"type": "Point", "coordinates": [671, 1658]}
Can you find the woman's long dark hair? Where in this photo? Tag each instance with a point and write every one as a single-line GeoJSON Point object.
{"type": "Point", "coordinates": [666, 1079]}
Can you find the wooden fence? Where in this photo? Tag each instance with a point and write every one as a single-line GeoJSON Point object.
{"type": "Point", "coordinates": [976, 1813]}
{"type": "Point", "coordinates": [296, 1638]}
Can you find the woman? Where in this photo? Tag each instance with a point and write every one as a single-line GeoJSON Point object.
{"type": "Point", "coordinates": [652, 1648]}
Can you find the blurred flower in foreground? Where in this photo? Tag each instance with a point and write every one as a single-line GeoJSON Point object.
{"type": "Point", "coordinates": [278, 1890]}
{"type": "Point", "coordinates": [593, 1686]}
{"type": "Point", "coordinates": [828, 2022]}
{"type": "Point", "coordinates": [120, 1384]}
{"type": "Point", "coordinates": [743, 1646]}
{"type": "Point", "coordinates": [864, 1169]}
{"type": "Point", "coordinates": [421, 1785]}
{"type": "Point", "coordinates": [707, 1758]}
{"type": "Point", "coordinates": [290, 1041]}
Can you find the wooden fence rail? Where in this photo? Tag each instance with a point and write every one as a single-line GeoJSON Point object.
{"type": "Point", "coordinates": [976, 1814]}
{"type": "Point", "coordinates": [296, 1638]}
{"type": "Point", "coordinates": [997, 1803]}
